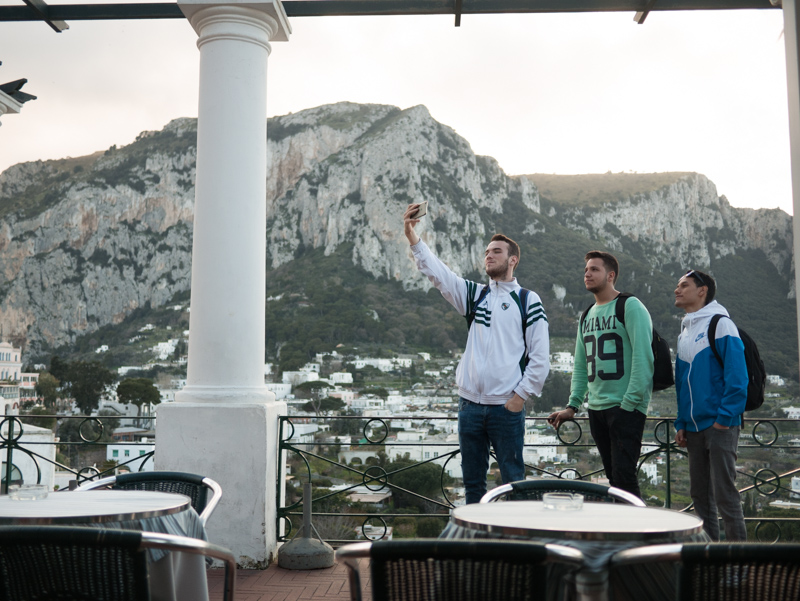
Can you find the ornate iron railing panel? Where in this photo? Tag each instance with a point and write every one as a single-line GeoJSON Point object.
{"type": "Point", "coordinates": [81, 434]}
{"type": "Point", "coordinates": [354, 479]}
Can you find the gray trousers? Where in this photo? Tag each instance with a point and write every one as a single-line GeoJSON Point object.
{"type": "Point", "coordinates": [712, 472]}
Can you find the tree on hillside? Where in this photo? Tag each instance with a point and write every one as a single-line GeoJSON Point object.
{"type": "Point", "coordinates": [59, 368]}
{"type": "Point", "coordinates": [312, 390]}
{"type": "Point", "coordinates": [85, 381]}
{"type": "Point", "coordinates": [40, 422]}
{"type": "Point", "coordinates": [138, 391]}
{"type": "Point", "coordinates": [47, 388]}
{"type": "Point", "coordinates": [378, 392]}
{"type": "Point", "coordinates": [324, 406]}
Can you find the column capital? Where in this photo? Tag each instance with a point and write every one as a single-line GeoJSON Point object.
{"type": "Point", "coordinates": [271, 9]}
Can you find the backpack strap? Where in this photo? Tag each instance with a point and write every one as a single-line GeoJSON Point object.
{"type": "Point", "coordinates": [522, 304]}
{"type": "Point", "coordinates": [470, 316]}
{"type": "Point", "coordinates": [619, 309]}
{"type": "Point", "coordinates": [584, 314]}
{"type": "Point", "coordinates": [712, 336]}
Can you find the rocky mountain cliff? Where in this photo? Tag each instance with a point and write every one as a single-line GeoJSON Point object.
{"type": "Point", "coordinates": [85, 242]}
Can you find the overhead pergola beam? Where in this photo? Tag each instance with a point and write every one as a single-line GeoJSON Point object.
{"type": "Point", "coordinates": [43, 11]}
{"type": "Point", "coordinates": [642, 15]}
{"type": "Point", "coordinates": [328, 8]}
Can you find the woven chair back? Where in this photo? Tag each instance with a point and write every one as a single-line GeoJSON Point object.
{"type": "Point", "coordinates": [51, 563]}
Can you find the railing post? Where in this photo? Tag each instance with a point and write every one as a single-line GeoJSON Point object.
{"type": "Point", "coordinates": [668, 496]}
{"type": "Point", "coordinates": [9, 455]}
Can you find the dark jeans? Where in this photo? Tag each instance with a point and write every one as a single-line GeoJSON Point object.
{"type": "Point", "coordinates": [712, 474]}
{"type": "Point", "coordinates": [618, 436]}
{"type": "Point", "coordinates": [478, 427]}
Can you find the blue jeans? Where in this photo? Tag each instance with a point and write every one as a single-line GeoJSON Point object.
{"type": "Point", "coordinates": [478, 427]}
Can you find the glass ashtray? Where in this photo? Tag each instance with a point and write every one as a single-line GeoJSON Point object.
{"type": "Point", "coordinates": [562, 501]}
{"type": "Point", "coordinates": [27, 492]}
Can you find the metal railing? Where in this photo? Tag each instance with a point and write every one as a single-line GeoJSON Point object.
{"type": "Point", "coordinates": [352, 479]}
{"type": "Point", "coordinates": [769, 455]}
{"type": "Point", "coordinates": [85, 433]}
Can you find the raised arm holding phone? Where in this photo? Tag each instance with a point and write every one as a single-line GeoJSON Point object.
{"type": "Point", "coordinates": [506, 359]}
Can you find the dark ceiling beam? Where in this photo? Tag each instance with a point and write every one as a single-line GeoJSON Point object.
{"type": "Point", "coordinates": [329, 8]}
{"type": "Point", "coordinates": [40, 8]}
{"type": "Point", "coordinates": [642, 15]}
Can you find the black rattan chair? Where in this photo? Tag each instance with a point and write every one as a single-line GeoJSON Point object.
{"type": "Point", "coordinates": [456, 570]}
{"type": "Point", "coordinates": [724, 571]}
{"type": "Point", "coordinates": [532, 490]}
{"type": "Point", "coordinates": [60, 563]}
{"type": "Point", "coordinates": [193, 486]}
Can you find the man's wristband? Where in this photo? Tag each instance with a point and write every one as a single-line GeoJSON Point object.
{"type": "Point", "coordinates": [574, 411]}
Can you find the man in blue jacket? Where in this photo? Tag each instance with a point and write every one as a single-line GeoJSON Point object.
{"type": "Point", "coordinates": [711, 400]}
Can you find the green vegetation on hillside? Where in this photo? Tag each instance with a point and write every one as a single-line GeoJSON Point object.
{"type": "Point", "coordinates": [595, 189]}
{"type": "Point", "coordinates": [336, 303]}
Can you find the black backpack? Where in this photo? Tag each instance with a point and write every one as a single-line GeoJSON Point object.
{"type": "Point", "coordinates": [756, 372]}
{"type": "Point", "coordinates": [663, 377]}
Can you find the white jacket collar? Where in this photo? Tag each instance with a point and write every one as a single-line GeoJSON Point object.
{"type": "Point", "coordinates": [712, 308]}
{"type": "Point", "coordinates": [503, 287]}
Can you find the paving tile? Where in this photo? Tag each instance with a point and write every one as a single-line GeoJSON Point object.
{"type": "Point", "coordinates": [278, 584]}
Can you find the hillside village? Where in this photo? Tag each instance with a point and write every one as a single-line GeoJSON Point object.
{"type": "Point", "coordinates": [399, 406]}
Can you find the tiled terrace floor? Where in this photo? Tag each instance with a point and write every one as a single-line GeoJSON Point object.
{"type": "Point", "coordinates": [279, 584]}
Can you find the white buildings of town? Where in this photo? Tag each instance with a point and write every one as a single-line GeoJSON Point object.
{"type": "Point", "coordinates": [282, 390]}
{"type": "Point", "coordinates": [776, 380]}
{"type": "Point", "coordinates": [10, 362]}
{"type": "Point", "coordinates": [300, 377]}
{"type": "Point", "coordinates": [792, 412]}
{"type": "Point", "coordinates": [342, 377]}
{"type": "Point", "coordinates": [562, 362]}
{"type": "Point", "coordinates": [15, 385]}
{"type": "Point", "coordinates": [165, 350]}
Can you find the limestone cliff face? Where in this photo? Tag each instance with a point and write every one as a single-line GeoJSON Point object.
{"type": "Point", "coordinates": [115, 236]}
{"type": "Point", "coordinates": [84, 242]}
{"type": "Point", "coordinates": [359, 195]}
{"type": "Point", "coordinates": [686, 223]}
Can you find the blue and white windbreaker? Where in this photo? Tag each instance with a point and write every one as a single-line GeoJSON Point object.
{"type": "Point", "coordinates": [489, 371]}
{"type": "Point", "coordinates": [706, 394]}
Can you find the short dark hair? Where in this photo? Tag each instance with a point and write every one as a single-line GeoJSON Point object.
{"type": "Point", "coordinates": [513, 247]}
{"type": "Point", "coordinates": [609, 261]}
{"type": "Point", "coordinates": [703, 279]}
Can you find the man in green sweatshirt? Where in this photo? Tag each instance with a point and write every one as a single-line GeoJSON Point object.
{"type": "Point", "coordinates": [614, 363]}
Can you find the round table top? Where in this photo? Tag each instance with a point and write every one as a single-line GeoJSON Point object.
{"type": "Point", "coordinates": [594, 521]}
{"type": "Point", "coordinates": [91, 506]}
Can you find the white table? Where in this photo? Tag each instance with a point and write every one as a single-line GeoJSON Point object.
{"type": "Point", "coordinates": [598, 530]}
{"type": "Point", "coordinates": [173, 576]}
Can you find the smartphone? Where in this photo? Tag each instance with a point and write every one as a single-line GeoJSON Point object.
{"type": "Point", "coordinates": [422, 210]}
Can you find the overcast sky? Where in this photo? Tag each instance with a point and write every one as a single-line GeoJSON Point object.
{"type": "Point", "coordinates": [573, 93]}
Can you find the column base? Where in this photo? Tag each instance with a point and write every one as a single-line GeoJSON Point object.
{"type": "Point", "coordinates": [224, 394]}
{"type": "Point", "coordinates": [235, 444]}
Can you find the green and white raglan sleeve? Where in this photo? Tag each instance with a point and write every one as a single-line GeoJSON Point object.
{"type": "Point", "coordinates": [639, 327]}
{"type": "Point", "coordinates": [580, 374]}
{"type": "Point", "coordinates": [454, 288]}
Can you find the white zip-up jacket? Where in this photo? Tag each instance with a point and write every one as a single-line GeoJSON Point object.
{"type": "Point", "coordinates": [493, 367]}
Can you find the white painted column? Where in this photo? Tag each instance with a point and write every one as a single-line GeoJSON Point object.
{"type": "Point", "coordinates": [791, 29]}
{"type": "Point", "coordinates": [224, 423]}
